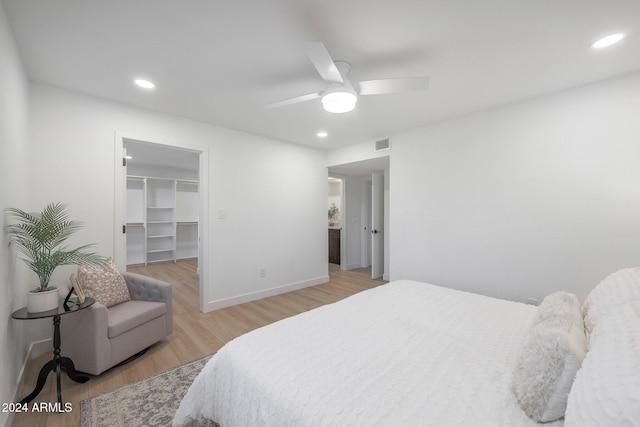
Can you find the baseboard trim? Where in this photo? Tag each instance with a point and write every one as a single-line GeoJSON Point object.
{"type": "Point", "coordinates": [240, 299]}
{"type": "Point", "coordinates": [35, 349]}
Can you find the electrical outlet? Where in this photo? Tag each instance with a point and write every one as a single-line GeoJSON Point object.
{"type": "Point", "coordinates": [263, 272]}
{"type": "Point", "coordinates": [532, 301]}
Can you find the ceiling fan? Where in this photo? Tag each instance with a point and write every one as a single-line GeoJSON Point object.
{"type": "Point", "coordinates": [340, 94]}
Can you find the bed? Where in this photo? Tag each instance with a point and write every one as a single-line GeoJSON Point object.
{"type": "Point", "coordinates": [405, 353]}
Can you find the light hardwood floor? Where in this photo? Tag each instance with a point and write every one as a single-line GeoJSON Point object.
{"type": "Point", "coordinates": [195, 335]}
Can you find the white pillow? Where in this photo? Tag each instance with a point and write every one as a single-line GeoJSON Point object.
{"type": "Point", "coordinates": [553, 350]}
{"type": "Point", "coordinates": [606, 391]}
{"type": "Point", "coordinates": [617, 288]}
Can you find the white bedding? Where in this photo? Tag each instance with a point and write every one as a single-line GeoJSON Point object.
{"type": "Point", "coordinates": [405, 353]}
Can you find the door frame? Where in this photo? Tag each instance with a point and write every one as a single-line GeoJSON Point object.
{"type": "Point", "coordinates": [343, 222]}
{"type": "Point", "coordinates": [119, 205]}
{"type": "Point", "coordinates": [366, 209]}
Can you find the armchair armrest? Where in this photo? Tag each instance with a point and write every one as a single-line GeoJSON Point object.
{"type": "Point", "coordinates": [149, 289]}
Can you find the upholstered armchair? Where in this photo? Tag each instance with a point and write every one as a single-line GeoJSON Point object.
{"type": "Point", "coordinates": [98, 338]}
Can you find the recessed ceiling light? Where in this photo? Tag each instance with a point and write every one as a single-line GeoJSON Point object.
{"type": "Point", "coordinates": [145, 83]}
{"type": "Point", "coordinates": [322, 134]}
{"type": "Point", "coordinates": [607, 41]}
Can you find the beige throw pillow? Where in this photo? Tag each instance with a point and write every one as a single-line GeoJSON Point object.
{"type": "Point", "coordinates": [104, 284]}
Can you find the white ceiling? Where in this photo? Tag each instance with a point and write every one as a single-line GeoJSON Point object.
{"type": "Point", "coordinates": [221, 61]}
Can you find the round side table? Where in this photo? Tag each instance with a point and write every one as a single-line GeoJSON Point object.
{"type": "Point", "coordinates": [58, 362]}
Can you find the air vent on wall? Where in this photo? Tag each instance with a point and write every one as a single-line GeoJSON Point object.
{"type": "Point", "coordinates": [383, 144]}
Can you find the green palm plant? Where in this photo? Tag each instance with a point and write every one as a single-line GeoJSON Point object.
{"type": "Point", "coordinates": [40, 236]}
{"type": "Point", "coordinates": [333, 210]}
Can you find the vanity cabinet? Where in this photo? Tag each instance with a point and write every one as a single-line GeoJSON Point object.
{"type": "Point", "coordinates": [334, 245]}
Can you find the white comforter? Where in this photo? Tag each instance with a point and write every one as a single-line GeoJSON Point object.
{"type": "Point", "coordinates": [405, 353]}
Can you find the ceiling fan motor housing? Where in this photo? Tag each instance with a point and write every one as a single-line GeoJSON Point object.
{"type": "Point", "coordinates": [340, 97]}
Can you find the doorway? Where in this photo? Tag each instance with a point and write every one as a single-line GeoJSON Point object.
{"type": "Point", "coordinates": [160, 208]}
{"type": "Point", "coordinates": [365, 223]}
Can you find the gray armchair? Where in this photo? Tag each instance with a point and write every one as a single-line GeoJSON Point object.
{"type": "Point", "coordinates": [98, 338]}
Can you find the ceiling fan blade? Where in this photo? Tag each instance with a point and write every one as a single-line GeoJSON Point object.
{"type": "Point", "coordinates": [382, 86]}
{"type": "Point", "coordinates": [321, 59]}
{"type": "Point", "coordinates": [295, 100]}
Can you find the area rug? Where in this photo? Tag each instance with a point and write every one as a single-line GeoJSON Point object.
{"type": "Point", "coordinates": [152, 401]}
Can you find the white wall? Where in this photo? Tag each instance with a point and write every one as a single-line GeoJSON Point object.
{"type": "Point", "coordinates": [14, 334]}
{"type": "Point", "coordinates": [523, 200]}
{"type": "Point", "coordinates": [273, 193]}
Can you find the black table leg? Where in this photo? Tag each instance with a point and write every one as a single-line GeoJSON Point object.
{"type": "Point", "coordinates": [57, 364]}
{"type": "Point", "coordinates": [67, 365]}
{"type": "Point", "coordinates": [42, 378]}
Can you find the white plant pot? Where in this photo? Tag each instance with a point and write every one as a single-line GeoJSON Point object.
{"type": "Point", "coordinates": [42, 301]}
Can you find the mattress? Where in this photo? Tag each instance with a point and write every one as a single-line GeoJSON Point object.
{"type": "Point", "coordinates": [405, 353]}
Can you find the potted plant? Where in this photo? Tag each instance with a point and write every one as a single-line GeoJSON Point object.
{"type": "Point", "coordinates": [40, 238]}
{"type": "Point", "coordinates": [333, 212]}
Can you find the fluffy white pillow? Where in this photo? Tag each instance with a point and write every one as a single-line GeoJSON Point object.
{"type": "Point", "coordinates": [559, 306]}
{"type": "Point", "coordinates": [606, 391]}
{"type": "Point", "coordinates": [553, 351]}
{"type": "Point", "coordinates": [617, 288]}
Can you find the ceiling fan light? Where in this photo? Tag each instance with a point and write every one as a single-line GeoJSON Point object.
{"type": "Point", "coordinates": [339, 101]}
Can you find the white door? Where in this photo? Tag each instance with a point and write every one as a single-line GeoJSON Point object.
{"type": "Point", "coordinates": [377, 225]}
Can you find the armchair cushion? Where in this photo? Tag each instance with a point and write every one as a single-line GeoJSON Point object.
{"type": "Point", "coordinates": [124, 317]}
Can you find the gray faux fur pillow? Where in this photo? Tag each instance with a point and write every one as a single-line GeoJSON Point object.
{"type": "Point", "coordinates": [552, 353]}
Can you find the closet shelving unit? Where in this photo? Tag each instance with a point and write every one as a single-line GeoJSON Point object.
{"type": "Point", "coordinates": [162, 219]}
